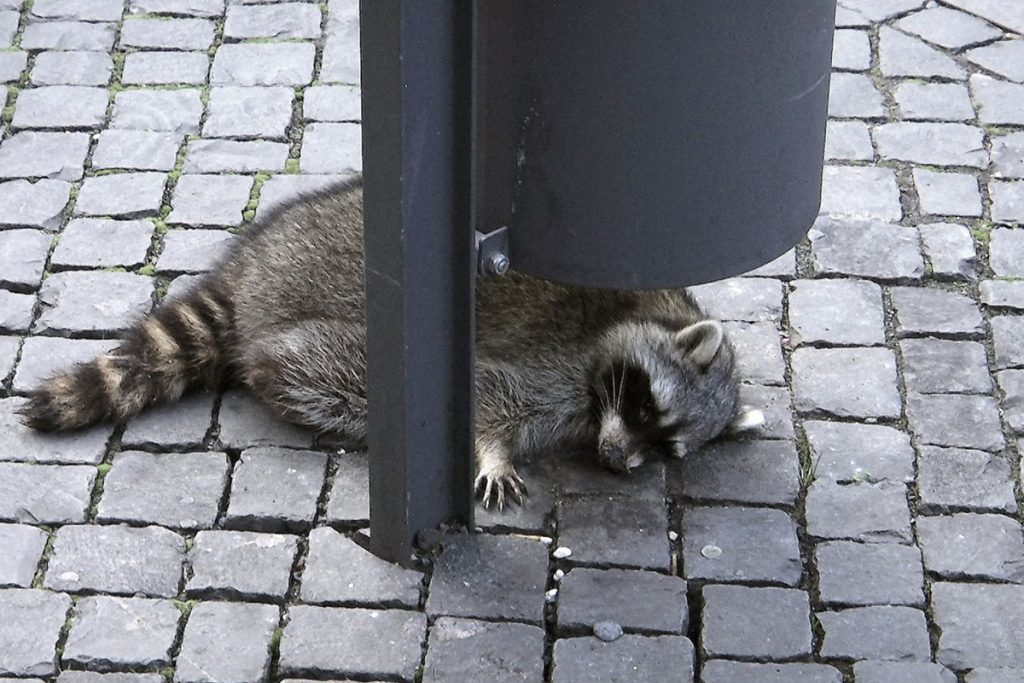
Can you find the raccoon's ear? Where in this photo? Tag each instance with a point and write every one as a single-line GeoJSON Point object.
{"type": "Point", "coordinates": [700, 342]}
{"type": "Point", "coordinates": [747, 418]}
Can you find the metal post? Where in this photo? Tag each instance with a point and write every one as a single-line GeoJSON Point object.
{"type": "Point", "coordinates": [420, 267]}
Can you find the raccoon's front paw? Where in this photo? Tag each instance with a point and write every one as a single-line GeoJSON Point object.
{"type": "Point", "coordinates": [495, 481]}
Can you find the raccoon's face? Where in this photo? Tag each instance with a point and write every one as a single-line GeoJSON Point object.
{"type": "Point", "coordinates": [663, 386]}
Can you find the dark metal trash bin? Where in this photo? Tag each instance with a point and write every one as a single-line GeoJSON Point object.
{"type": "Point", "coordinates": [650, 144]}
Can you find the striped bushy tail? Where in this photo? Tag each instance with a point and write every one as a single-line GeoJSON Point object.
{"type": "Point", "coordinates": [182, 345]}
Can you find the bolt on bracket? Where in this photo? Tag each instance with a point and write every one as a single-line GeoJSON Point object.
{"type": "Point", "coordinates": [492, 252]}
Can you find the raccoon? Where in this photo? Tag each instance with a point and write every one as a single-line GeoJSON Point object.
{"type": "Point", "coordinates": [627, 373]}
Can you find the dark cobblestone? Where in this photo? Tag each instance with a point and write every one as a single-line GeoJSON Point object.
{"type": "Point", "coordinates": [979, 625]}
{"type": "Point", "coordinates": [611, 532]}
{"type": "Point", "coordinates": [859, 512]}
{"type": "Point", "coordinates": [875, 633]}
{"type": "Point", "coordinates": [30, 624]}
{"type": "Point", "coordinates": [274, 489]}
{"type": "Point", "coordinates": [865, 248]}
{"type": "Point", "coordinates": [968, 545]}
{"type": "Point", "coordinates": [758, 352]}
{"type": "Point", "coordinates": [846, 453]}
{"type": "Point", "coordinates": [959, 479]}
{"type": "Point", "coordinates": [955, 420]}
{"type": "Point", "coordinates": [45, 494]}
{"type": "Point", "coordinates": [629, 658]}
{"type": "Point", "coordinates": [339, 571]}
{"type": "Point", "coordinates": [742, 472]}
{"type": "Point", "coordinates": [869, 574]}
{"type": "Point", "coordinates": [935, 366]}
{"type": "Point", "coordinates": [349, 501]}
{"type": "Point", "coordinates": [241, 565]}
{"type": "Point", "coordinates": [639, 601]}
{"type": "Point", "coordinates": [489, 577]}
{"type": "Point", "coordinates": [21, 443]}
{"type": "Point", "coordinates": [181, 425]}
{"type": "Point", "coordinates": [116, 559]}
{"type": "Point", "coordinates": [121, 632]}
{"type": "Point", "coordinates": [244, 422]}
{"type": "Point", "coordinates": [724, 671]}
{"type": "Point", "coordinates": [854, 382]}
{"type": "Point", "coordinates": [755, 623]}
{"type": "Point", "coordinates": [774, 402]}
{"type": "Point", "coordinates": [42, 357]}
{"type": "Point", "coordinates": [226, 642]}
{"type": "Point", "coordinates": [902, 672]}
{"type": "Point", "coordinates": [745, 299]}
{"type": "Point", "coordinates": [836, 312]}
{"type": "Point", "coordinates": [466, 651]}
{"type": "Point", "coordinates": [935, 311]}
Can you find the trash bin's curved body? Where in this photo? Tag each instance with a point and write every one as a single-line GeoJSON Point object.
{"type": "Point", "coordinates": [657, 143]}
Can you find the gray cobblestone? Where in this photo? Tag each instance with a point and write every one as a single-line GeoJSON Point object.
{"type": "Point", "coordinates": [42, 357]}
{"type": "Point", "coordinates": [725, 671]}
{"type": "Point", "coordinates": [628, 658]}
{"type": "Point", "coordinates": [758, 352]}
{"type": "Point", "coordinates": [1000, 675]}
{"type": "Point", "coordinates": [245, 422]}
{"type": "Point", "coordinates": [8, 352]}
{"type": "Point", "coordinates": [197, 8]}
{"type": "Point", "coordinates": [102, 243]}
{"type": "Point", "coordinates": [67, 35]}
{"type": "Point", "coordinates": [45, 494]}
{"type": "Point", "coordinates": [12, 64]}
{"type": "Point", "coordinates": [869, 574]}
{"type": "Point", "coordinates": [226, 642]}
{"type": "Point", "coordinates": [865, 248]}
{"type": "Point", "coordinates": [15, 311]}
{"type": "Point", "coordinates": [30, 624]}
{"type": "Point", "coordinates": [934, 101]}
{"type": "Point", "coordinates": [903, 55]}
{"type": "Point", "coordinates": [948, 28]}
{"type": "Point", "coordinates": [136, 150]}
{"type": "Point", "coordinates": [860, 512]}
{"type": "Point", "coordinates": [956, 420]}
{"type": "Point", "coordinates": [44, 155]}
{"type": "Point", "coordinates": [998, 101]}
{"type": "Point", "coordinates": [81, 10]}
{"type": "Point", "coordinates": [1007, 200]}
{"type": "Point", "coordinates": [1008, 155]}
{"type": "Point", "coordinates": [192, 251]}
{"type": "Point", "coordinates": [489, 577]}
{"type": "Point", "coordinates": [836, 312]}
{"type": "Point", "coordinates": [1005, 58]}
{"type": "Point", "coordinates": [341, 57]}
{"type": "Point", "coordinates": [947, 194]}
{"type": "Point", "coordinates": [176, 111]}
{"type": "Point", "coordinates": [249, 112]}
{"type": "Point", "coordinates": [854, 95]}
{"type": "Point", "coordinates": [1008, 338]}
{"type": "Point", "coordinates": [854, 382]}
{"type": "Point", "coordinates": [756, 544]}
{"type": "Point", "coordinates": [755, 623]}
{"type": "Point", "coordinates": [326, 641]}
{"type": "Point", "coordinates": [1011, 383]}
{"type": "Point", "coordinates": [349, 502]}
{"type": "Point", "coordinates": [763, 472]}
{"type": "Point", "coordinates": [116, 559]}
{"type": "Point", "coordinates": [339, 571]}
{"type": "Point", "coordinates": [35, 205]}
{"type": "Point", "coordinates": [950, 250]}
{"type": "Point", "coordinates": [846, 453]}
{"type": "Point", "coordinates": [465, 651]}
{"type": "Point", "coordinates": [1006, 253]}
{"type": "Point", "coordinates": [285, 20]}
{"type": "Point", "coordinates": [745, 299]}
{"type": "Point", "coordinates": [876, 633]}
{"type": "Point", "coordinates": [848, 140]}
{"type": "Point", "coordinates": [980, 625]}
{"type": "Point", "coordinates": [263, 64]}
{"type": "Point", "coordinates": [91, 301]}
{"type": "Point", "coordinates": [578, 474]}
{"type": "Point", "coordinates": [213, 156]}
{"type": "Point", "coordinates": [125, 195]}
{"type": "Point", "coordinates": [851, 50]}
{"type": "Point", "coordinates": [331, 148]}
{"type": "Point", "coordinates": [937, 366]}
{"type": "Point", "coordinates": [241, 565]}
{"type": "Point", "coordinates": [23, 546]}
{"type": "Point", "coordinates": [1002, 294]}
{"type": "Point", "coordinates": [72, 68]}
{"type": "Point", "coordinates": [147, 68]}
{"type": "Point", "coordinates": [935, 311]}
{"type": "Point", "coordinates": [641, 601]}
{"type": "Point", "coordinates": [774, 402]}
{"type": "Point", "coordinates": [902, 672]}
{"type": "Point", "coordinates": [940, 144]}
{"type": "Point", "coordinates": [167, 33]}
{"type": "Point", "coordinates": [22, 257]}
{"type": "Point", "coordinates": [22, 443]}
{"type": "Point", "coordinates": [968, 545]}
{"type": "Point", "coordinates": [60, 106]}
{"type": "Point", "coordinates": [178, 490]}
{"type": "Point", "coordinates": [332, 103]}
{"type": "Point", "coordinates": [180, 425]}
{"type": "Point", "coordinates": [281, 188]}
{"type": "Point", "coordinates": [275, 489]}
{"type": "Point", "coordinates": [121, 632]}
{"type": "Point", "coordinates": [210, 200]}
{"type": "Point", "coordinates": [609, 532]}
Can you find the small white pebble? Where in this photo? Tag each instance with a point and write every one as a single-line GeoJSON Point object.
{"type": "Point", "coordinates": [546, 540]}
{"type": "Point", "coordinates": [551, 595]}
{"type": "Point", "coordinates": [561, 553]}
{"type": "Point", "coordinates": [69, 576]}
{"type": "Point", "coordinates": [712, 552]}
{"type": "Point", "coordinates": [557, 576]}
{"type": "Point", "coordinates": [673, 536]}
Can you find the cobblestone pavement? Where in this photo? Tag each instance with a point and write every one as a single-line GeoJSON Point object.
{"type": "Point", "coordinates": [870, 533]}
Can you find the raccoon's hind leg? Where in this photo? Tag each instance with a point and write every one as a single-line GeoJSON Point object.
{"type": "Point", "coordinates": [312, 374]}
{"type": "Point", "coordinates": [496, 475]}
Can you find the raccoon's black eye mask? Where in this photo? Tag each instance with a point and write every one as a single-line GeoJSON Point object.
{"type": "Point", "coordinates": [628, 387]}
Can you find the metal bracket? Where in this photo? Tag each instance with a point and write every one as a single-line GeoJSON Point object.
{"type": "Point", "coordinates": [492, 252]}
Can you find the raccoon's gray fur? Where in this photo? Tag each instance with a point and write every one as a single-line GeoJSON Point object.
{"type": "Point", "coordinates": [283, 315]}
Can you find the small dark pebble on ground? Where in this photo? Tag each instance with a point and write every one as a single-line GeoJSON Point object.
{"type": "Point", "coordinates": [607, 631]}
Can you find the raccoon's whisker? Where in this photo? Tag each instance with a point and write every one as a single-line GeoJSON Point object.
{"type": "Point", "coordinates": [622, 386]}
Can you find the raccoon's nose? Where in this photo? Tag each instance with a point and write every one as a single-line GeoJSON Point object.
{"type": "Point", "coordinates": [614, 458]}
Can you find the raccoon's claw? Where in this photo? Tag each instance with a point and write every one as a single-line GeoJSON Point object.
{"type": "Point", "coordinates": [494, 484]}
